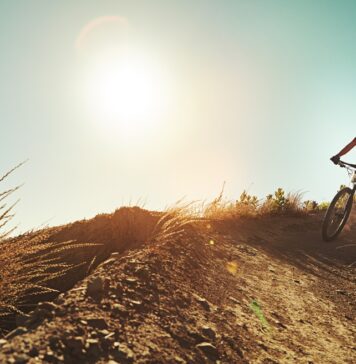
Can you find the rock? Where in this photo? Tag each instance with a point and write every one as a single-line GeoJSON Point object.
{"type": "Point", "coordinates": [119, 309]}
{"type": "Point", "coordinates": [97, 323]}
{"type": "Point", "coordinates": [342, 291]}
{"type": "Point", "coordinates": [50, 357]}
{"type": "Point", "coordinates": [21, 358]}
{"type": "Point", "coordinates": [33, 352]}
{"type": "Point", "coordinates": [131, 281]}
{"type": "Point", "coordinates": [135, 303]}
{"type": "Point", "coordinates": [93, 347]}
{"type": "Point", "coordinates": [208, 332]}
{"type": "Point", "coordinates": [203, 302]}
{"type": "Point", "coordinates": [123, 353]}
{"type": "Point", "coordinates": [103, 332]}
{"type": "Point", "coordinates": [95, 287]}
{"type": "Point", "coordinates": [112, 362]}
{"type": "Point", "coordinates": [18, 331]}
{"type": "Point", "coordinates": [53, 342]}
{"type": "Point", "coordinates": [209, 350]}
{"type": "Point", "coordinates": [75, 344]}
{"type": "Point", "coordinates": [2, 342]}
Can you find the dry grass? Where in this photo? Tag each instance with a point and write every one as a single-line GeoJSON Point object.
{"type": "Point", "coordinates": [28, 262]}
{"type": "Point", "coordinates": [250, 206]}
{"type": "Point", "coordinates": [174, 222]}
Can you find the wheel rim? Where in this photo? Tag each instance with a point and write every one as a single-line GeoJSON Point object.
{"type": "Point", "coordinates": [338, 214]}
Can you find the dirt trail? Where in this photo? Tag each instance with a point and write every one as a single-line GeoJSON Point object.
{"type": "Point", "coordinates": [249, 291]}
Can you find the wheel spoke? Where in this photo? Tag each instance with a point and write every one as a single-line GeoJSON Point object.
{"type": "Point", "coordinates": [337, 214]}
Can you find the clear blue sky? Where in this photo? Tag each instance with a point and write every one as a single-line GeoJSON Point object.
{"type": "Point", "coordinates": [258, 94]}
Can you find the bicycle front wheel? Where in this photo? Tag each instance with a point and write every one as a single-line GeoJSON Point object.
{"type": "Point", "coordinates": [337, 214]}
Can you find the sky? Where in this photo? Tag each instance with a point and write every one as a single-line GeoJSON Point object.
{"type": "Point", "coordinates": [122, 102]}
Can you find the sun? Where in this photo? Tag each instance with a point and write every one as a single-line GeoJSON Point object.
{"type": "Point", "coordinates": [126, 92]}
{"type": "Point", "coordinates": [124, 84]}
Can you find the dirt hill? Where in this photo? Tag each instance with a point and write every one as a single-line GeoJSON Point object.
{"type": "Point", "coordinates": [261, 290]}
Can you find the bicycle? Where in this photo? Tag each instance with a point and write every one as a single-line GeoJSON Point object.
{"type": "Point", "coordinates": [340, 207]}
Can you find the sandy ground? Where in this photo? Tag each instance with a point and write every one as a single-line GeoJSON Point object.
{"type": "Point", "coordinates": [262, 290]}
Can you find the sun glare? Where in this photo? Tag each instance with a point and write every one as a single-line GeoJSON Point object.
{"type": "Point", "coordinates": [127, 93]}
{"type": "Point", "coordinates": [125, 85]}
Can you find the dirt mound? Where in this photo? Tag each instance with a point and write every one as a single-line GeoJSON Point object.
{"type": "Point", "coordinates": [250, 291]}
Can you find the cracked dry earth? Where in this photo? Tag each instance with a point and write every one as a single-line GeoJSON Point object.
{"type": "Point", "coordinates": [262, 290]}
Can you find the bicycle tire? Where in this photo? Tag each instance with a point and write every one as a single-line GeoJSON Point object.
{"type": "Point", "coordinates": [330, 213]}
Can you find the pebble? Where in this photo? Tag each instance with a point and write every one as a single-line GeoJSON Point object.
{"type": "Point", "coordinates": [95, 287]}
{"type": "Point", "coordinates": [203, 302]}
{"type": "Point", "coordinates": [209, 350]}
{"type": "Point", "coordinates": [209, 332]}
{"type": "Point", "coordinates": [97, 323]}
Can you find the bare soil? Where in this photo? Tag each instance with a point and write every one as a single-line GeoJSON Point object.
{"type": "Point", "coordinates": [264, 290]}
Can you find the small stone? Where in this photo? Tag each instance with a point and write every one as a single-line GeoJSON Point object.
{"type": "Point", "coordinates": [92, 341]}
{"type": "Point", "coordinates": [203, 302]}
{"type": "Point", "coordinates": [53, 341]}
{"type": "Point", "coordinates": [50, 357]}
{"type": "Point", "coordinates": [33, 352]}
{"type": "Point", "coordinates": [119, 309]}
{"type": "Point", "coordinates": [93, 347]}
{"type": "Point", "coordinates": [2, 342]}
{"type": "Point", "coordinates": [75, 343]}
{"type": "Point", "coordinates": [21, 358]}
{"type": "Point", "coordinates": [135, 303]}
{"type": "Point", "coordinates": [209, 332]}
{"type": "Point", "coordinates": [97, 323]}
{"type": "Point", "coordinates": [103, 332]}
{"type": "Point", "coordinates": [123, 352]}
{"type": "Point", "coordinates": [209, 350]}
{"type": "Point", "coordinates": [130, 281]}
{"type": "Point", "coordinates": [95, 287]}
{"type": "Point", "coordinates": [341, 291]}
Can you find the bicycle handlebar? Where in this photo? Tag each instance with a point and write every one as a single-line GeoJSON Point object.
{"type": "Point", "coordinates": [344, 164]}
